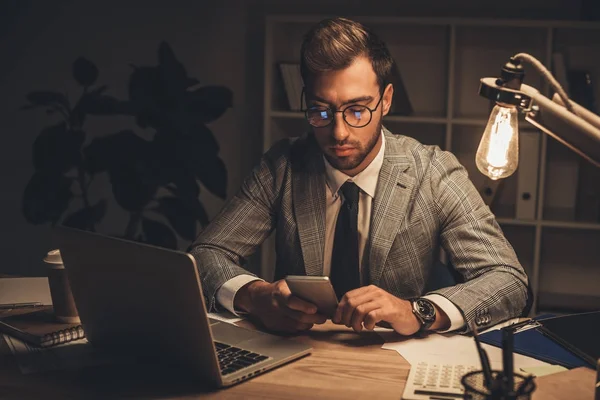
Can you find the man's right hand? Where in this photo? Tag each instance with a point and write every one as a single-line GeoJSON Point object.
{"type": "Point", "coordinates": [275, 306]}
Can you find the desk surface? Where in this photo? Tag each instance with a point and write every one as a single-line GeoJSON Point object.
{"type": "Point", "coordinates": [342, 365]}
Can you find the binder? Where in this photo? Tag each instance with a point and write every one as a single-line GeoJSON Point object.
{"type": "Point", "coordinates": [40, 330]}
{"type": "Point", "coordinates": [400, 102]}
{"type": "Point", "coordinates": [527, 174]}
{"type": "Point", "coordinates": [540, 338]}
{"type": "Point", "coordinates": [293, 98]}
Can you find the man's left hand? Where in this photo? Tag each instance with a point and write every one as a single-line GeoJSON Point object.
{"type": "Point", "coordinates": [369, 305]}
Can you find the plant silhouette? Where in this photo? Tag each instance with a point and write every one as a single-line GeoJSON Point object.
{"type": "Point", "coordinates": [152, 177]}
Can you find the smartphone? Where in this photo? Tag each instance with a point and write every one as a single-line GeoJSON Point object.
{"type": "Point", "coordinates": [316, 290]}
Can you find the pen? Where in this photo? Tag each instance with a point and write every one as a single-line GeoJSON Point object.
{"type": "Point", "coordinates": [507, 358]}
{"type": "Point", "coordinates": [485, 362]}
{"type": "Point", "coordinates": [20, 305]}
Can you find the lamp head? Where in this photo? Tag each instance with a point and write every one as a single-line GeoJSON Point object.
{"type": "Point", "coordinates": [561, 118]}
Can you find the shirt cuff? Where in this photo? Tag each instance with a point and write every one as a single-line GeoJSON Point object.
{"type": "Point", "coordinates": [227, 291]}
{"type": "Point", "coordinates": [457, 321]}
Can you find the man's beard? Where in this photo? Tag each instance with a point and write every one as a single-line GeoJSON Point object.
{"type": "Point", "coordinates": [348, 163]}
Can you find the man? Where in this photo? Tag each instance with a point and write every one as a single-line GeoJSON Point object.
{"type": "Point", "coordinates": [378, 236]}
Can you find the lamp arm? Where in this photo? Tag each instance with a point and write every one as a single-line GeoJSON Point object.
{"type": "Point", "coordinates": [580, 133]}
{"type": "Point", "coordinates": [548, 76]}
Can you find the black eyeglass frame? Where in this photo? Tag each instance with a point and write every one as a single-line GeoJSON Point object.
{"type": "Point", "coordinates": [305, 111]}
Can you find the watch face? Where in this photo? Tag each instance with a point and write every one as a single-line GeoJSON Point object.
{"type": "Point", "coordinates": [426, 309]}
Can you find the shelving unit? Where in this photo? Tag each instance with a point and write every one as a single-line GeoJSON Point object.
{"type": "Point", "coordinates": [441, 62]}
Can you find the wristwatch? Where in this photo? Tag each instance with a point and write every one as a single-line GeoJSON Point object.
{"type": "Point", "coordinates": [424, 310]}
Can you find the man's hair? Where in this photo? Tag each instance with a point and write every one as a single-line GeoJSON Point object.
{"type": "Point", "coordinates": [334, 43]}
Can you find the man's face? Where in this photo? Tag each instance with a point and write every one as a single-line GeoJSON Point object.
{"type": "Point", "coordinates": [349, 149]}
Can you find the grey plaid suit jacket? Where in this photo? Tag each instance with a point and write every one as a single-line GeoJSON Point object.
{"type": "Point", "coordinates": [424, 199]}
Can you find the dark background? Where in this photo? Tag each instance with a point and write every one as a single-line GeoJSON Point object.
{"type": "Point", "coordinates": [219, 42]}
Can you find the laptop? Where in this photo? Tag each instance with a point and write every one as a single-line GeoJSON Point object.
{"type": "Point", "coordinates": [135, 298]}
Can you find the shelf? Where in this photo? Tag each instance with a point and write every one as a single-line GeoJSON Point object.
{"type": "Point", "coordinates": [516, 222]}
{"type": "Point", "coordinates": [416, 119]}
{"type": "Point", "coordinates": [550, 224]}
{"type": "Point", "coordinates": [441, 61]}
{"type": "Point", "coordinates": [470, 121]}
{"type": "Point", "coordinates": [572, 225]}
{"type": "Point", "coordinates": [287, 114]}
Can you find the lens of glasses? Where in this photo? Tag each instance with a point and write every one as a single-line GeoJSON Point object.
{"type": "Point", "coordinates": [355, 116]}
{"type": "Point", "coordinates": [319, 117]}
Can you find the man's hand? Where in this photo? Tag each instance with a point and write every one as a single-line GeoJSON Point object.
{"type": "Point", "coordinates": [275, 306]}
{"type": "Point", "coordinates": [369, 305]}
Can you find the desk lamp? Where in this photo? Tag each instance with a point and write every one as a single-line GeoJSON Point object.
{"type": "Point", "coordinates": [563, 119]}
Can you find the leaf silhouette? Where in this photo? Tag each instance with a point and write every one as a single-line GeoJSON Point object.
{"type": "Point", "coordinates": [172, 71]}
{"type": "Point", "coordinates": [213, 174]}
{"type": "Point", "coordinates": [46, 98]}
{"type": "Point", "coordinates": [158, 234]}
{"type": "Point", "coordinates": [85, 72]}
{"type": "Point", "coordinates": [179, 216]}
{"type": "Point", "coordinates": [98, 104]}
{"type": "Point", "coordinates": [57, 149]}
{"type": "Point", "coordinates": [46, 197]}
{"type": "Point", "coordinates": [131, 170]}
{"type": "Point", "coordinates": [145, 88]}
{"type": "Point", "coordinates": [87, 217]}
{"type": "Point", "coordinates": [209, 103]}
{"type": "Point", "coordinates": [199, 153]}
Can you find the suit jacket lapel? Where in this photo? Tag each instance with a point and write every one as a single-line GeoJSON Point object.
{"type": "Point", "coordinates": [309, 205]}
{"type": "Point", "coordinates": [392, 197]}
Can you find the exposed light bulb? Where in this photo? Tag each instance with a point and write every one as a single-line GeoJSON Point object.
{"type": "Point", "coordinates": [498, 152]}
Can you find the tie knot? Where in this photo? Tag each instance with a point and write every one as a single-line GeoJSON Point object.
{"type": "Point", "coordinates": [350, 191]}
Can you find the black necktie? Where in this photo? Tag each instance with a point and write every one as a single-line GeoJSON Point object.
{"type": "Point", "coordinates": [344, 259]}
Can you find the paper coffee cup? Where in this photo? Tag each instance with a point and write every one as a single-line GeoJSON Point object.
{"type": "Point", "coordinates": [60, 289]}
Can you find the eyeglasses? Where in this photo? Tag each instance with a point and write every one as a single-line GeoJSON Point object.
{"type": "Point", "coordinates": [356, 115]}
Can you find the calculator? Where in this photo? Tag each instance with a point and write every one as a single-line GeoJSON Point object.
{"type": "Point", "coordinates": [436, 380]}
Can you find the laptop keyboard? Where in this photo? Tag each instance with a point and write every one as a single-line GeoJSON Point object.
{"type": "Point", "coordinates": [233, 358]}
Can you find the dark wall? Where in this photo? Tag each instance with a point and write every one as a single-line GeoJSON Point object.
{"type": "Point", "coordinates": [218, 42]}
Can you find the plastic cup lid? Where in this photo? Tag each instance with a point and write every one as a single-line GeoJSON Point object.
{"type": "Point", "coordinates": [53, 257]}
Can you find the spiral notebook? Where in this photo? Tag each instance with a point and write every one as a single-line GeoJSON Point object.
{"type": "Point", "coordinates": [40, 329]}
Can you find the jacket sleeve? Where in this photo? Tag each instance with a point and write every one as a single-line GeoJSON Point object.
{"type": "Point", "coordinates": [495, 285]}
{"type": "Point", "coordinates": [242, 225]}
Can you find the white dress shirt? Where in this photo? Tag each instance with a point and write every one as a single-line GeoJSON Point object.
{"type": "Point", "coordinates": [366, 180]}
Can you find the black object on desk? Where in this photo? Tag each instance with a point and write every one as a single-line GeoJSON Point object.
{"type": "Point", "coordinates": [578, 333]}
{"type": "Point", "coordinates": [570, 341]}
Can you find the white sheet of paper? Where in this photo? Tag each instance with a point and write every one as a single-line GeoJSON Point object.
{"type": "Point", "coordinates": [225, 316]}
{"type": "Point", "coordinates": [452, 348]}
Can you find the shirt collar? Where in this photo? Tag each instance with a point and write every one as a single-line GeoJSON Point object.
{"type": "Point", "coordinates": [366, 180]}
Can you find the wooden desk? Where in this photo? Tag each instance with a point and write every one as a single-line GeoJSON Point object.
{"type": "Point", "coordinates": [342, 365]}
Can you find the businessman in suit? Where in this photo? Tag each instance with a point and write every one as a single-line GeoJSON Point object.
{"type": "Point", "coordinates": [368, 208]}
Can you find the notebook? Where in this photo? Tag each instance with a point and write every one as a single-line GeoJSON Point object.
{"type": "Point", "coordinates": [40, 329]}
{"type": "Point", "coordinates": [145, 300]}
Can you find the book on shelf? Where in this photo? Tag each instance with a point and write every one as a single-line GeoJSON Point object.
{"type": "Point", "coordinates": [489, 190]}
{"type": "Point", "coordinates": [292, 83]}
{"type": "Point", "coordinates": [559, 67]}
{"type": "Point", "coordinates": [400, 101]}
{"type": "Point", "coordinates": [40, 329]}
{"type": "Point", "coordinates": [527, 174]}
{"type": "Point", "coordinates": [581, 88]}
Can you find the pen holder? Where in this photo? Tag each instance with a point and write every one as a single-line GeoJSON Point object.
{"type": "Point", "coordinates": [473, 382]}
